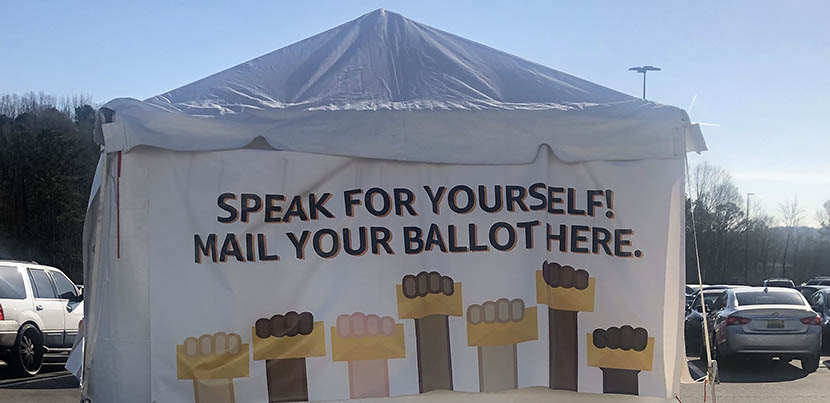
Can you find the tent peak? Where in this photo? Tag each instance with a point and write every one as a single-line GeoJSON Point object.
{"type": "Point", "coordinates": [383, 60]}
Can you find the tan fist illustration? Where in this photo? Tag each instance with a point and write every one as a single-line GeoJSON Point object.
{"type": "Point", "coordinates": [431, 299]}
{"type": "Point", "coordinates": [495, 327]}
{"type": "Point", "coordinates": [212, 361]}
{"type": "Point", "coordinates": [367, 342]}
{"type": "Point", "coordinates": [284, 342]}
{"type": "Point", "coordinates": [565, 291]}
{"type": "Point", "coordinates": [621, 353]}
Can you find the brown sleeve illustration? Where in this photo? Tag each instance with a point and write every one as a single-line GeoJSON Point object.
{"type": "Point", "coordinates": [621, 353]}
{"type": "Point", "coordinates": [284, 342]}
{"type": "Point", "coordinates": [367, 342]}
{"type": "Point", "coordinates": [566, 292]}
{"type": "Point", "coordinates": [430, 299]}
{"type": "Point", "coordinates": [211, 362]}
{"type": "Point", "coordinates": [495, 327]}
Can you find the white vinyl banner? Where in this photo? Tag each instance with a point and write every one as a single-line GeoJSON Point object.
{"type": "Point", "coordinates": [283, 276]}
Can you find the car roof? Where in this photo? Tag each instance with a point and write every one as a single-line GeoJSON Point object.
{"type": "Point", "coordinates": [27, 264]}
{"type": "Point", "coordinates": [756, 289]}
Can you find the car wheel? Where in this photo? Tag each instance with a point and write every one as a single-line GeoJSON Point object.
{"type": "Point", "coordinates": [810, 363]}
{"type": "Point", "coordinates": [26, 357]}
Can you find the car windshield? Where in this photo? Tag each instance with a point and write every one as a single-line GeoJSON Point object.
{"type": "Point", "coordinates": [768, 298]}
{"type": "Point", "coordinates": [779, 283]}
{"type": "Point", "coordinates": [709, 297]}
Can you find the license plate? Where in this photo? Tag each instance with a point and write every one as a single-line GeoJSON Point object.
{"type": "Point", "coordinates": [775, 324]}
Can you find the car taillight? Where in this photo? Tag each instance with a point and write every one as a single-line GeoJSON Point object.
{"type": "Point", "coordinates": [737, 320]}
{"type": "Point", "coordinates": [813, 320]}
{"type": "Point", "coordinates": [2, 315]}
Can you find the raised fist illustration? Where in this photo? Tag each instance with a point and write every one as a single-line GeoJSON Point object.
{"type": "Point", "coordinates": [566, 291]}
{"type": "Point", "coordinates": [284, 342]}
{"type": "Point", "coordinates": [495, 327]}
{"type": "Point", "coordinates": [621, 353]}
{"type": "Point", "coordinates": [212, 361]}
{"type": "Point", "coordinates": [367, 342]}
{"type": "Point", "coordinates": [430, 299]}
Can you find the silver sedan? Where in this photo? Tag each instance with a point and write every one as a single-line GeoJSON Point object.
{"type": "Point", "coordinates": [758, 322]}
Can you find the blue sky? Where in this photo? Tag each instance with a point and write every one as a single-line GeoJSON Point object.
{"type": "Point", "coordinates": [759, 69]}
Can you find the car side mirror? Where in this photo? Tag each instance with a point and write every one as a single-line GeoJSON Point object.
{"type": "Point", "coordinates": [77, 298]}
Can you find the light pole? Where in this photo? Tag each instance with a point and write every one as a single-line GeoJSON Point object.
{"type": "Point", "coordinates": [644, 70]}
{"type": "Point", "coordinates": [746, 239]}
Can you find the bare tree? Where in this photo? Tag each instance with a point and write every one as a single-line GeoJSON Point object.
{"type": "Point", "coordinates": [823, 217]}
{"type": "Point", "coordinates": [791, 216]}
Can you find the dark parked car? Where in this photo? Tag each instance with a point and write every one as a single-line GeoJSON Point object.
{"type": "Point", "coordinates": [694, 319]}
{"type": "Point", "coordinates": [820, 280]}
{"type": "Point", "coordinates": [808, 290]}
{"type": "Point", "coordinates": [779, 282]}
{"type": "Point", "coordinates": [765, 322]}
{"type": "Point", "coordinates": [820, 301]}
{"type": "Point", "coordinates": [691, 291]}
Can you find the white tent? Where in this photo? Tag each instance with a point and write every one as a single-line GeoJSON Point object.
{"type": "Point", "coordinates": [379, 102]}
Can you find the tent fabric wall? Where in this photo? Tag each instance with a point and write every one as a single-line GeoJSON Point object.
{"type": "Point", "coordinates": [477, 106]}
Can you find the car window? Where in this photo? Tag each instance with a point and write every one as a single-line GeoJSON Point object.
{"type": "Point", "coordinates": [42, 284]}
{"type": "Point", "coordinates": [719, 302]}
{"type": "Point", "coordinates": [11, 283]}
{"type": "Point", "coordinates": [769, 298]}
{"type": "Point", "coordinates": [66, 289]}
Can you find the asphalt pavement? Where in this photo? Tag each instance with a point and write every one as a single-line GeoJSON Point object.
{"type": "Point", "coordinates": [748, 381]}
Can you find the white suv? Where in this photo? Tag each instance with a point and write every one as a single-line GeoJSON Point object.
{"type": "Point", "coordinates": [40, 310]}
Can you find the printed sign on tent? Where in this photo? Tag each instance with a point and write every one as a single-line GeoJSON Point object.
{"type": "Point", "coordinates": [337, 278]}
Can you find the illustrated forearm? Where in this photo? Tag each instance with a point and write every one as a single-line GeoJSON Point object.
{"type": "Point", "coordinates": [563, 349]}
{"type": "Point", "coordinates": [497, 368]}
{"type": "Point", "coordinates": [213, 391]}
{"type": "Point", "coordinates": [622, 381]}
{"type": "Point", "coordinates": [283, 342]}
{"type": "Point", "coordinates": [287, 381]}
{"type": "Point", "coordinates": [432, 335]}
{"type": "Point", "coordinates": [368, 378]}
{"type": "Point", "coordinates": [620, 353]}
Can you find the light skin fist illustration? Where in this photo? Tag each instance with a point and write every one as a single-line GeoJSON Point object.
{"type": "Point", "coordinates": [431, 298]}
{"type": "Point", "coordinates": [566, 291]}
{"type": "Point", "coordinates": [284, 341]}
{"type": "Point", "coordinates": [367, 342]}
{"type": "Point", "coordinates": [211, 361]}
{"type": "Point", "coordinates": [495, 327]}
{"type": "Point", "coordinates": [621, 353]}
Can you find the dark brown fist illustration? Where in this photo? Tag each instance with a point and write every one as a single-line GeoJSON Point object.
{"type": "Point", "coordinates": [284, 341]}
{"type": "Point", "coordinates": [430, 298]}
{"type": "Point", "coordinates": [427, 283]}
{"type": "Point", "coordinates": [556, 275]}
{"type": "Point", "coordinates": [566, 291]}
{"type": "Point", "coordinates": [621, 353]}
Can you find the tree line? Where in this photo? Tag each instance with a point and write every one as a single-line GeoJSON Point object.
{"type": "Point", "coordinates": [740, 245]}
{"type": "Point", "coordinates": [48, 159]}
{"type": "Point", "coordinates": [47, 163]}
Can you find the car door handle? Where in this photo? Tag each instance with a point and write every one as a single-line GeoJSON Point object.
{"type": "Point", "coordinates": [39, 307]}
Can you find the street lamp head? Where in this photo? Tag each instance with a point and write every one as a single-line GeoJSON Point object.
{"type": "Point", "coordinates": [643, 69]}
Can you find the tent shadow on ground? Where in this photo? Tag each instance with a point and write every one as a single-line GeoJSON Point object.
{"type": "Point", "coordinates": [52, 376]}
{"type": "Point", "coordinates": [758, 371]}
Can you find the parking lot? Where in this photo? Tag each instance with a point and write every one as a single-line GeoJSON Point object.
{"type": "Point", "coordinates": [749, 381]}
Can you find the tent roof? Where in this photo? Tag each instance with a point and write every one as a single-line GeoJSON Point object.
{"type": "Point", "coordinates": [384, 86]}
